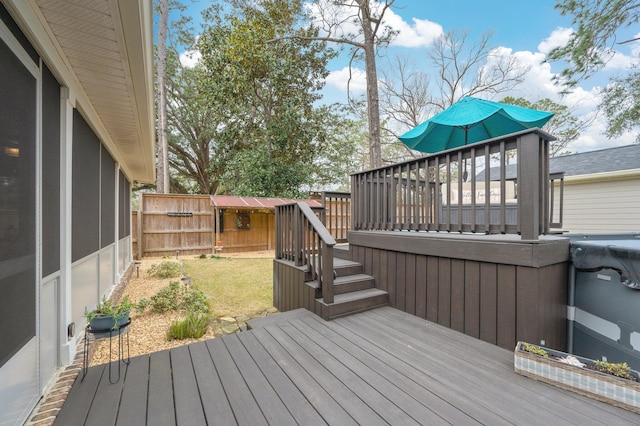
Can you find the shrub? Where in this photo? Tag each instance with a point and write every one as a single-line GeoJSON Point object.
{"type": "Point", "coordinates": [166, 269]}
{"type": "Point", "coordinates": [203, 256]}
{"type": "Point", "coordinates": [176, 297]}
{"type": "Point", "coordinates": [193, 326]}
{"type": "Point", "coordinates": [534, 349]}
{"type": "Point", "coordinates": [620, 369]}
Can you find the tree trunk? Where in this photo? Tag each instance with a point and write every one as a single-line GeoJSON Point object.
{"type": "Point", "coordinates": [162, 165]}
{"type": "Point", "coordinates": [373, 101]}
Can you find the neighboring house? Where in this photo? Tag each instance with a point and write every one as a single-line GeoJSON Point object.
{"type": "Point", "coordinates": [601, 190]}
{"type": "Point", "coordinates": [76, 129]}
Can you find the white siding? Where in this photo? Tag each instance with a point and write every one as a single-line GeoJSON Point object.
{"type": "Point", "coordinates": [602, 207]}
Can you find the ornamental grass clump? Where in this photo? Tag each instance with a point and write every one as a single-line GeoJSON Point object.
{"type": "Point", "coordinates": [193, 326]}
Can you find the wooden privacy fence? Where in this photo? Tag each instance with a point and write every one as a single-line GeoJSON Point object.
{"type": "Point", "coordinates": [175, 224]}
{"type": "Point", "coordinates": [171, 224]}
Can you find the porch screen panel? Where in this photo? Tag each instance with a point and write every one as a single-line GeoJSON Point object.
{"type": "Point", "coordinates": [85, 199]}
{"type": "Point", "coordinates": [108, 200]}
{"type": "Point", "coordinates": [17, 33]}
{"type": "Point", "coordinates": [125, 207]}
{"type": "Point", "coordinates": [50, 173]}
{"type": "Point", "coordinates": [17, 204]}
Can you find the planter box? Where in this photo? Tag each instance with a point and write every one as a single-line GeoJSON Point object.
{"type": "Point", "coordinates": [107, 322]}
{"type": "Point", "coordinates": [594, 384]}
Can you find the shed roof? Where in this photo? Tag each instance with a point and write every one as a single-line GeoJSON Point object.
{"type": "Point", "coordinates": [229, 201]}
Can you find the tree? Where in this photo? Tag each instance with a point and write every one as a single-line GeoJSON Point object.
{"type": "Point", "coordinates": [563, 125]}
{"type": "Point", "coordinates": [198, 148]}
{"type": "Point", "coordinates": [591, 46]}
{"type": "Point", "coordinates": [162, 165]}
{"type": "Point", "coordinates": [621, 104]}
{"type": "Point", "coordinates": [410, 96]}
{"type": "Point", "coordinates": [264, 86]}
{"type": "Point", "coordinates": [337, 18]}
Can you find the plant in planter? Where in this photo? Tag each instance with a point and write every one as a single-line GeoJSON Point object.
{"type": "Point", "coordinates": [613, 383]}
{"type": "Point", "coordinates": [106, 316]}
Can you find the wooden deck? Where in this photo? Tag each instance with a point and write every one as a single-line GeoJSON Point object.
{"type": "Point", "coordinates": [378, 367]}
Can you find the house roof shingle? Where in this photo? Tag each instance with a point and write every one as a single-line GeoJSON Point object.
{"type": "Point", "coordinates": [584, 163]}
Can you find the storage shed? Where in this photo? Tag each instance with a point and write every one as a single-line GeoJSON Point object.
{"type": "Point", "coordinates": [247, 223]}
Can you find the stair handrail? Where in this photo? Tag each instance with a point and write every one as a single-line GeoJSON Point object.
{"type": "Point", "coordinates": [302, 238]}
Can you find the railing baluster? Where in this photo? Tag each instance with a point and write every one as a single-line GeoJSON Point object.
{"type": "Point", "coordinates": [437, 195]}
{"type": "Point", "coordinates": [473, 190]}
{"type": "Point", "coordinates": [460, 195]}
{"type": "Point", "coordinates": [487, 185]}
{"type": "Point", "coordinates": [503, 188]}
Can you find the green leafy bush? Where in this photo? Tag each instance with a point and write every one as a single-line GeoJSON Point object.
{"type": "Point", "coordinates": [166, 269]}
{"type": "Point", "coordinates": [202, 256]}
{"type": "Point", "coordinates": [620, 369]}
{"type": "Point", "coordinates": [193, 326]}
{"type": "Point", "coordinates": [176, 297]}
{"type": "Point", "coordinates": [528, 347]}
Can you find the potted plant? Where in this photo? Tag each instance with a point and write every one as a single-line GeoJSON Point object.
{"type": "Point", "coordinates": [106, 316]}
{"type": "Point", "coordinates": [614, 383]}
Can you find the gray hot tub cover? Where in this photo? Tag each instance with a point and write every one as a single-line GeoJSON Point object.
{"type": "Point", "coordinates": [621, 256]}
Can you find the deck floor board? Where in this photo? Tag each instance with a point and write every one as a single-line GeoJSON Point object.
{"type": "Point", "coordinates": [186, 395]}
{"type": "Point", "coordinates": [378, 367]}
{"type": "Point", "coordinates": [160, 404]}
{"type": "Point", "coordinates": [214, 400]}
{"type": "Point", "coordinates": [133, 405]}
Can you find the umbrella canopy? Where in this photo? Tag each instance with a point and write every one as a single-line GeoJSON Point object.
{"type": "Point", "coordinates": [471, 120]}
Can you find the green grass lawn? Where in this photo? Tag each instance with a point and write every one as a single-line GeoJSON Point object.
{"type": "Point", "coordinates": [234, 286]}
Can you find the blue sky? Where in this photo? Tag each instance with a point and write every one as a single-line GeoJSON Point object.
{"type": "Point", "coordinates": [524, 29]}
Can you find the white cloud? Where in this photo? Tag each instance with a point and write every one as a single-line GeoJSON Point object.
{"type": "Point", "coordinates": [537, 82]}
{"type": "Point", "coordinates": [619, 61]}
{"type": "Point", "coordinates": [190, 58]}
{"type": "Point", "coordinates": [559, 37]}
{"type": "Point", "coordinates": [340, 79]}
{"type": "Point", "coordinates": [421, 34]}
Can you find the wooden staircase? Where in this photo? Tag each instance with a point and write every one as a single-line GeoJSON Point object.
{"type": "Point", "coordinates": [354, 291]}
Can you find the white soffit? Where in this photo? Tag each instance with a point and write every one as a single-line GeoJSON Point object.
{"type": "Point", "coordinates": [108, 46]}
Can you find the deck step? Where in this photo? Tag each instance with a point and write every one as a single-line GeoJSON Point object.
{"type": "Point", "coordinates": [352, 302]}
{"type": "Point", "coordinates": [341, 267]}
{"type": "Point", "coordinates": [341, 251]}
{"type": "Point", "coordinates": [354, 282]}
{"type": "Point", "coordinates": [344, 267]}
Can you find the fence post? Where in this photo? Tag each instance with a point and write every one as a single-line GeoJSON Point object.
{"type": "Point", "coordinates": [141, 208]}
{"type": "Point", "coordinates": [529, 187]}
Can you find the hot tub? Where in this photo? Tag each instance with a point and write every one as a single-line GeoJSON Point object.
{"type": "Point", "coordinates": [604, 298]}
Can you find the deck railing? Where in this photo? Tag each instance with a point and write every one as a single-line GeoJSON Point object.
{"type": "Point", "coordinates": [302, 238]}
{"type": "Point", "coordinates": [475, 188]}
{"type": "Point", "coordinates": [336, 214]}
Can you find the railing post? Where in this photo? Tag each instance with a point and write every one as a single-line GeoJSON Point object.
{"type": "Point", "coordinates": [278, 216]}
{"type": "Point", "coordinates": [530, 168]}
{"type": "Point", "coordinates": [297, 237]}
{"type": "Point", "coordinates": [327, 272]}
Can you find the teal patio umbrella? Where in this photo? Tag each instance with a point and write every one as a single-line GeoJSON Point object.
{"type": "Point", "coordinates": [471, 120]}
